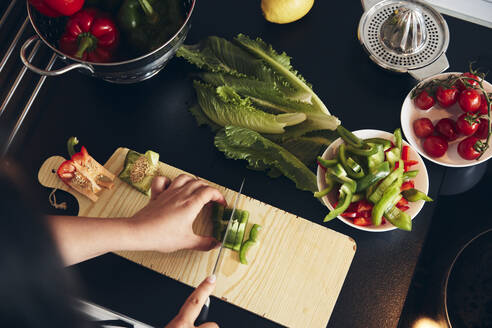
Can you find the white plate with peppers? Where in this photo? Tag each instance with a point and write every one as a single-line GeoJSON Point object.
{"type": "Point", "coordinates": [375, 176]}
{"type": "Point", "coordinates": [445, 118]}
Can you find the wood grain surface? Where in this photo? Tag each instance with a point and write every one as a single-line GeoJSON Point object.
{"type": "Point", "coordinates": [295, 272]}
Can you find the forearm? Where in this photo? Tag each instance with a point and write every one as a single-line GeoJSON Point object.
{"type": "Point", "coordinates": [82, 238]}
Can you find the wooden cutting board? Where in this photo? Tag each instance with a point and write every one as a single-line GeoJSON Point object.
{"type": "Point", "coordinates": [296, 271]}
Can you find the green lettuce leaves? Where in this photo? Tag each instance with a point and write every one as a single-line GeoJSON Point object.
{"type": "Point", "coordinates": [263, 154]}
{"type": "Point", "coordinates": [262, 109]}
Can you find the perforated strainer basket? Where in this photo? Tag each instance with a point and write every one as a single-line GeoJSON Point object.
{"type": "Point", "coordinates": [428, 59]}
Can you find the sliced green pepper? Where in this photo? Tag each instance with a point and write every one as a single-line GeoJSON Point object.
{"type": "Point", "coordinates": [357, 197]}
{"type": "Point", "coordinates": [219, 224]}
{"type": "Point", "coordinates": [379, 172]}
{"type": "Point", "coordinates": [71, 143]}
{"type": "Point", "coordinates": [324, 192]}
{"type": "Point", "coordinates": [326, 162]}
{"type": "Point", "coordinates": [351, 170]}
{"type": "Point", "coordinates": [390, 196]}
{"type": "Point", "coordinates": [398, 139]}
{"type": "Point", "coordinates": [399, 218]}
{"type": "Point", "coordinates": [414, 195]}
{"type": "Point", "coordinates": [410, 174]}
{"type": "Point", "coordinates": [392, 177]}
{"type": "Point", "coordinates": [386, 143]}
{"type": "Point", "coordinates": [338, 174]}
{"type": "Point", "coordinates": [253, 235]}
{"type": "Point", "coordinates": [343, 202]}
{"type": "Point", "coordinates": [377, 158]}
{"type": "Point", "coordinates": [243, 221]}
{"type": "Point", "coordinates": [367, 150]}
{"type": "Point", "coordinates": [349, 137]}
{"type": "Point", "coordinates": [393, 156]}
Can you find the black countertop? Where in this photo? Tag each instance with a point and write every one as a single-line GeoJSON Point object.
{"type": "Point", "coordinates": [153, 115]}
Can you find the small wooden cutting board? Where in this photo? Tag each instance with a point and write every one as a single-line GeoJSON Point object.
{"type": "Point", "coordinates": [295, 272]}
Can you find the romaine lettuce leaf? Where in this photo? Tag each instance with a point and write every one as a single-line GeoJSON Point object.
{"type": "Point", "coordinates": [224, 107]}
{"type": "Point", "coordinates": [281, 64]}
{"type": "Point", "coordinates": [261, 153]}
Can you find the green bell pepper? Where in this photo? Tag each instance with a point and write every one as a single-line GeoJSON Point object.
{"type": "Point", "coordinates": [326, 162]}
{"type": "Point", "coordinates": [377, 158]}
{"type": "Point", "coordinates": [398, 139]}
{"type": "Point", "coordinates": [392, 177]}
{"type": "Point", "coordinates": [343, 202]}
{"type": "Point", "coordinates": [349, 137]}
{"type": "Point", "coordinates": [398, 218]}
{"type": "Point", "coordinates": [148, 24]}
{"type": "Point", "coordinates": [367, 150]}
{"type": "Point", "coordinates": [139, 170]}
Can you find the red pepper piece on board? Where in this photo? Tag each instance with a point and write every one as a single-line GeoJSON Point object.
{"type": "Point", "coordinates": [90, 35]}
{"type": "Point", "coordinates": [56, 8]}
{"type": "Point", "coordinates": [407, 185]}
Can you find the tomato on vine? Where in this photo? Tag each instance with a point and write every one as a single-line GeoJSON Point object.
{"type": "Point", "coordinates": [424, 101]}
{"type": "Point", "coordinates": [471, 148]}
{"type": "Point", "coordinates": [468, 123]}
{"type": "Point", "coordinates": [469, 100]}
{"type": "Point", "coordinates": [445, 96]}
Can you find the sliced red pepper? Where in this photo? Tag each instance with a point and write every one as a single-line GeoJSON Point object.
{"type": "Point", "coordinates": [361, 221]}
{"type": "Point", "coordinates": [402, 202]}
{"type": "Point", "coordinates": [66, 170]}
{"type": "Point", "coordinates": [408, 164]}
{"type": "Point", "coordinates": [350, 215]}
{"type": "Point", "coordinates": [407, 185]}
{"type": "Point", "coordinates": [405, 153]}
{"type": "Point", "coordinates": [403, 208]}
{"type": "Point", "coordinates": [364, 205]}
{"type": "Point", "coordinates": [81, 157]}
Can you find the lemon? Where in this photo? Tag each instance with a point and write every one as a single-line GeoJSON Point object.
{"type": "Point", "coordinates": [285, 11]}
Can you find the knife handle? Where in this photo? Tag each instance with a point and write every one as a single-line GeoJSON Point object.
{"type": "Point", "coordinates": [202, 317]}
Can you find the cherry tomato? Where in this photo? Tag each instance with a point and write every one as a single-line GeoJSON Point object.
{"type": "Point", "coordinates": [447, 128]}
{"type": "Point", "coordinates": [446, 96]}
{"type": "Point", "coordinates": [469, 100]}
{"type": "Point", "coordinates": [435, 146]}
{"type": "Point", "coordinates": [470, 148]}
{"type": "Point", "coordinates": [424, 101]}
{"type": "Point", "coordinates": [468, 124]}
{"type": "Point", "coordinates": [461, 86]}
{"type": "Point", "coordinates": [483, 105]}
{"type": "Point", "coordinates": [483, 129]}
{"type": "Point", "coordinates": [423, 127]}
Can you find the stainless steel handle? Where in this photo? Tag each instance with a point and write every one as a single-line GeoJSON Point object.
{"type": "Point", "coordinates": [45, 72]}
{"type": "Point", "coordinates": [438, 66]}
{"type": "Point", "coordinates": [366, 4]}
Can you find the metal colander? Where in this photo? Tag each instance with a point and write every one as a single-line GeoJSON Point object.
{"type": "Point", "coordinates": [428, 59]}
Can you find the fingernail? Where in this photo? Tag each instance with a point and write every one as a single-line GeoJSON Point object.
{"type": "Point", "coordinates": [212, 279]}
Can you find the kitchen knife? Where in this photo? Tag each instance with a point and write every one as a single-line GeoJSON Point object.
{"type": "Point", "coordinates": [202, 317]}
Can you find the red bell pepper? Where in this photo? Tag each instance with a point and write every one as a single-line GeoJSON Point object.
{"type": "Point", "coordinates": [405, 153]}
{"type": "Point", "coordinates": [90, 35]}
{"type": "Point", "coordinates": [56, 8]}
{"type": "Point", "coordinates": [361, 221]}
{"type": "Point", "coordinates": [408, 164]}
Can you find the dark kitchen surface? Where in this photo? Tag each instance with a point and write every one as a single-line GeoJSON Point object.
{"type": "Point", "coordinates": [153, 115]}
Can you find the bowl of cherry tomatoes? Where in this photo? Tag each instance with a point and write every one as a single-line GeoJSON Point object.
{"type": "Point", "coordinates": [446, 118]}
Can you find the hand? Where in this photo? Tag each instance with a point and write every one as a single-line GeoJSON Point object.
{"type": "Point", "coordinates": [165, 224]}
{"type": "Point", "coordinates": [191, 309]}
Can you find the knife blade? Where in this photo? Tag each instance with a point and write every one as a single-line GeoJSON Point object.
{"type": "Point", "coordinates": [202, 317]}
{"type": "Point", "coordinates": [216, 266]}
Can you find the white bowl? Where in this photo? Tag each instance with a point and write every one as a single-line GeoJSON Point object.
{"type": "Point", "coordinates": [410, 113]}
{"type": "Point", "coordinates": [421, 180]}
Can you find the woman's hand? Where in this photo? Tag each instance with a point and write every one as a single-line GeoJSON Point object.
{"type": "Point", "coordinates": [191, 309]}
{"type": "Point", "coordinates": [165, 224]}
